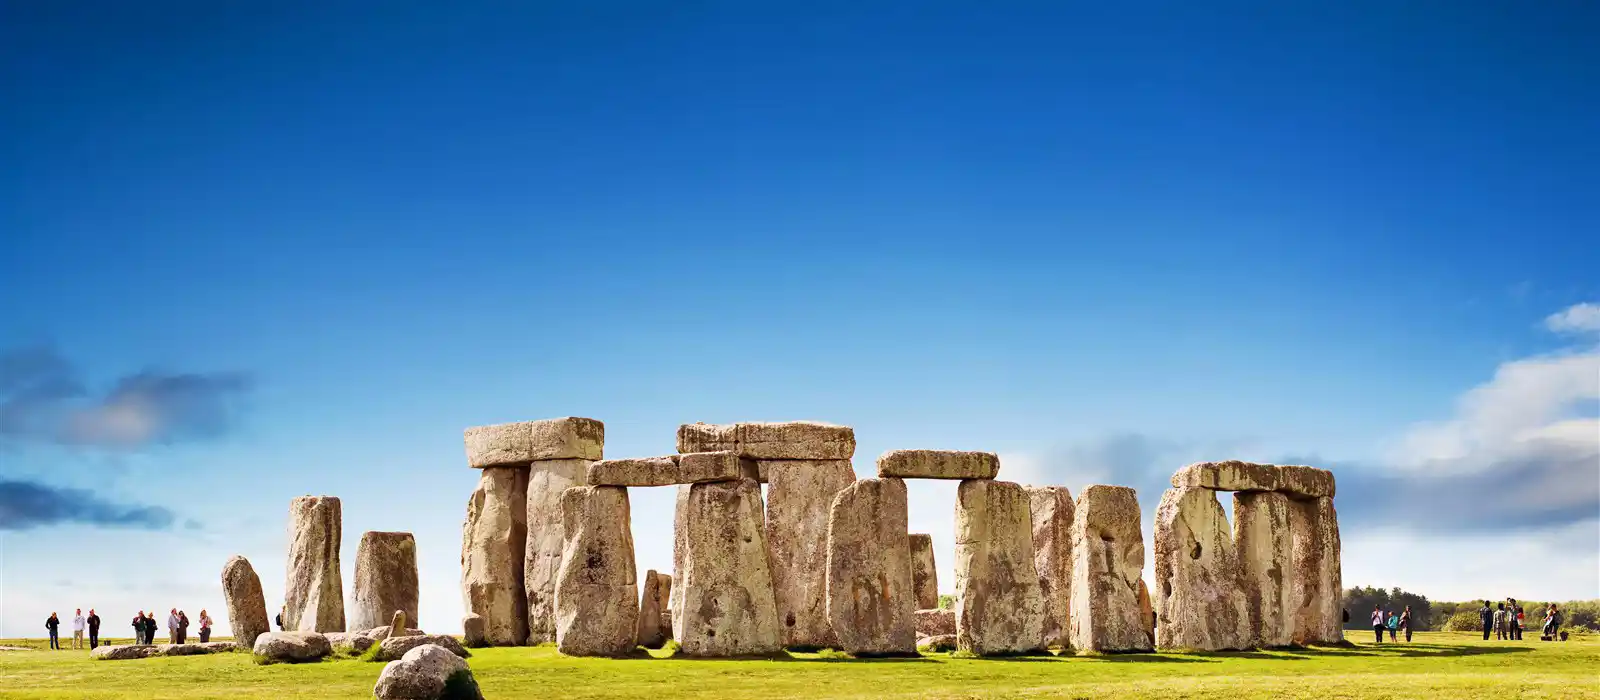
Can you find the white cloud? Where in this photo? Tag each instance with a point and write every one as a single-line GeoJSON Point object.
{"type": "Point", "coordinates": [1578, 318]}
{"type": "Point", "coordinates": [1452, 567]}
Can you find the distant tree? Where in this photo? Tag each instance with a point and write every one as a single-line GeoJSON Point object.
{"type": "Point", "coordinates": [1359, 601]}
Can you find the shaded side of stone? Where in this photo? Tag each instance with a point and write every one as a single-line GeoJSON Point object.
{"type": "Point", "coordinates": [546, 538]}
{"type": "Point", "coordinates": [1051, 507]}
{"type": "Point", "coordinates": [1317, 580]}
{"type": "Point", "coordinates": [799, 496]}
{"type": "Point", "coordinates": [492, 541]}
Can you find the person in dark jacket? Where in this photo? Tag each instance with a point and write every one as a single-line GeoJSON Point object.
{"type": "Point", "coordinates": [150, 627]}
{"type": "Point", "coordinates": [138, 628]}
{"type": "Point", "coordinates": [183, 626]}
{"type": "Point", "coordinates": [94, 629]}
{"type": "Point", "coordinates": [1486, 614]}
{"type": "Point", "coordinates": [53, 624]}
{"type": "Point", "coordinates": [1405, 622]}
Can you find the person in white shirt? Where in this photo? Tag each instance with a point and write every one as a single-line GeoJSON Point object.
{"type": "Point", "coordinates": [77, 630]}
{"type": "Point", "coordinates": [172, 627]}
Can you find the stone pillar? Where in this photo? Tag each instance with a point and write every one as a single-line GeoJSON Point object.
{"type": "Point", "coordinates": [650, 632]}
{"type": "Point", "coordinates": [508, 572]}
{"type": "Point", "coordinates": [596, 605]}
{"type": "Point", "coordinates": [1262, 539]}
{"type": "Point", "coordinates": [924, 575]}
{"type": "Point", "coordinates": [870, 602]}
{"type": "Point", "coordinates": [727, 603]}
{"type": "Point", "coordinates": [1147, 612]}
{"type": "Point", "coordinates": [313, 592]}
{"type": "Point", "coordinates": [386, 580]}
{"type": "Point", "coordinates": [247, 607]}
{"type": "Point", "coordinates": [1317, 592]}
{"type": "Point", "coordinates": [1200, 600]}
{"type": "Point", "coordinates": [999, 606]}
{"type": "Point", "coordinates": [1107, 562]}
{"type": "Point", "coordinates": [680, 511]}
{"type": "Point", "coordinates": [1051, 507]}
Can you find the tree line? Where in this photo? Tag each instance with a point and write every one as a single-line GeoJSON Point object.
{"type": "Point", "coordinates": [1459, 616]}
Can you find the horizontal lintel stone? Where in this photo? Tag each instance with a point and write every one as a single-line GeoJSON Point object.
{"type": "Point", "coordinates": [791, 440]}
{"type": "Point", "coordinates": [517, 444]}
{"type": "Point", "coordinates": [938, 464]}
{"type": "Point", "coordinates": [669, 470]}
{"type": "Point", "coordinates": [1233, 475]}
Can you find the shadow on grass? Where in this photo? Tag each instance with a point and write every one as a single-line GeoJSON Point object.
{"type": "Point", "coordinates": [1280, 656]}
{"type": "Point", "coordinates": [1416, 651]}
{"type": "Point", "coordinates": [1149, 658]}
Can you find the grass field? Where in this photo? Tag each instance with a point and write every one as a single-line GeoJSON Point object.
{"type": "Point", "coordinates": [1439, 665]}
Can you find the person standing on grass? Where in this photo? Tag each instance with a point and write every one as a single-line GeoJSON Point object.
{"type": "Point", "coordinates": [1405, 622]}
{"type": "Point", "coordinates": [1394, 627]}
{"type": "Point", "coordinates": [53, 624]}
{"type": "Point", "coordinates": [94, 629]}
{"type": "Point", "coordinates": [138, 628]}
{"type": "Point", "coordinates": [77, 629]}
{"type": "Point", "coordinates": [150, 626]}
{"type": "Point", "coordinates": [1500, 621]}
{"type": "Point", "coordinates": [1486, 615]}
{"type": "Point", "coordinates": [205, 626]}
{"type": "Point", "coordinates": [1552, 622]}
{"type": "Point", "coordinates": [1514, 616]}
{"type": "Point", "coordinates": [1521, 620]}
{"type": "Point", "coordinates": [172, 626]}
{"type": "Point", "coordinates": [1377, 624]}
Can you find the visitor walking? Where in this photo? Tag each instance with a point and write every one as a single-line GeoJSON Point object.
{"type": "Point", "coordinates": [77, 629]}
{"type": "Point", "coordinates": [1500, 621]}
{"type": "Point", "coordinates": [1521, 620]}
{"type": "Point", "coordinates": [1394, 626]}
{"type": "Point", "coordinates": [94, 629]}
{"type": "Point", "coordinates": [53, 624]}
{"type": "Point", "coordinates": [1377, 624]}
{"type": "Point", "coordinates": [1552, 623]}
{"type": "Point", "coordinates": [1405, 622]}
{"type": "Point", "coordinates": [205, 626]}
{"type": "Point", "coordinates": [172, 626]}
{"type": "Point", "coordinates": [1486, 615]}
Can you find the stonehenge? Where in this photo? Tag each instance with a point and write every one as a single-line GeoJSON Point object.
{"type": "Point", "coordinates": [1200, 602]}
{"type": "Point", "coordinates": [1000, 608]}
{"type": "Point", "coordinates": [247, 606]}
{"type": "Point", "coordinates": [492, 541]}
{"type": "Point", "coordinates": [870, 601]}
{"type": "Point", "coordinates": [1262, 541]}
{"type": "Point", "coordinates": [597, 612]}
{"type": "Point", "coordinates": [545, 540]}
{"type": "Point", "coordinates": [386, 579]}
{"type": "Point", "coordinates": [1051, 507]}
{"type": "Point", "coordinates": [924, 576]}
{"type": "Point", "coordinates": [725, 588]}
{"type": "Point", "coordinates": [654, 627]}
{"type": "Point", "coordinates": [800, 494]}
{"type": "Point", "coordinates": [1107, 565]}
{"type": "Point", "coordinates": [938, 464]}
{"type": "Point", "coordinates": [313, 592]}
{"type": "Point", "coordinates": [1314, 536]}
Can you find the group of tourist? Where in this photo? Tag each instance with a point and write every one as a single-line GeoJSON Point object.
{"type": "Point", "coordinates": [1382, 620]}
{"type": "Point", "coordinates": [1505, 620]}
{"type": "Point", "coordinates": [144, 628]}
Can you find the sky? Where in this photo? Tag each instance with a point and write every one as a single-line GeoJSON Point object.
{"type": "Point", "coordinates": [251, 251]}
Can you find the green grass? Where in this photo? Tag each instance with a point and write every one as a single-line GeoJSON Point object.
{"type": "Point", "coordinates": [1438, 666]}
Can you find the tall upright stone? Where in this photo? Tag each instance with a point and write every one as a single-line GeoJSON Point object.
{"type": "Point", "coordinates": [924, 574]}
{"type": "Point", "coordinates": [597, 610]}
{"type": "Point", "coordinates": [313, 591]}
{"type": "Point", "coordinates": [799, 495]}
{"type": "Point", "coordinates": [492, 542]}
{"type": "Point", "coordinates": [680, 513]}
{"type": "Point", "coordinates": [1317, 580]}
{"type": "Point", "coordinates": [652, 632]}
{"type": "Point", "coordinates": [247, 607]}
{"type": "Point", "coordinates": [1147, 612]}
{"type": "Point", "coordinates": [1262, 539]}
{"type": "Point", "coordinates": [727, 601]}
{"type": "Point", "coordinates": [547, 480]}
{"type": "Point", "coordinates": [1107, 562]}
{"type": "Point", "coordinates": [1200, 599]}
{"type": "Point", "coordinates": [1000, 608]}
{"type": "Point", "coordinates": [1051, 507]}
{"type": "Point", "coordinates": [386, 580]}
{"type": "Point", "coordinates": [870, 601]}
{"type": "Point", "coordinates": [509, 570]}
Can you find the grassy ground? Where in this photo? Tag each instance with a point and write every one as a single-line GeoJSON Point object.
{"type": "Point", "coordinates": [1437, 666]}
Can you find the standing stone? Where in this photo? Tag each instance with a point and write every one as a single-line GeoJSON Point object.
{"type": "Point", "coordinates": [728, 606]}
{"type": "Point", "coordinates": [547, 480]}
{"type": "Point", "coordinates": [924, 577]}
{"type": "Point", "coordinates": [680, 510]}
{"type": "Point", "coordinates": [397, 625]}
{"type": "Point", "coordinates": [1314, 529]}
{"type": "Point", "coordinates": [798, 499]}
{"type": "Point", "coordinates": [492, 543]}
{"type": "Point", "coordinates": [1147, 612]}
{"type": "Point", "coordinates": [247, 607]}
{"type": "Point", "coordinates": [1200, 600]}
{"type": "Point", "coordinates": [597, 610]}
{"type": "Point", "coordinates": [870, 601]}
{"type": "Point", "coordinates": [314, 592]}
{"type": "Point", "coordinates": [999, 606]}
{"type": "Point", "coordinates": [1262, 539]}
{"type": "Point", "coordinates": [1052, 557]}
{"type": "Point", "coordinates": [386, 579]}
{"type": "Point", "coordinates": [653, 596]}
{"type": "Point", "coordinates": [1107, 562]}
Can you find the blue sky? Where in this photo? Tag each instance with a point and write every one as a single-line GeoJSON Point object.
{"type": "Point", "coordinates": [254, 251]}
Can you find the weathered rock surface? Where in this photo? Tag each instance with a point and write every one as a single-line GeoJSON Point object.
{"type": "Point", "coordinates": [938, 464]}
{"type": "Point", "coordinates": [635, 471]}
{"type": "Point", "coordinates": [924, 575]}
{"type": "Point", "coordinates": [1147, 612]}
{"type": "Point", "coordinates": [472, 630]}
{"type": "Point", "coordinates": [597, 611]}
{"type": "Point", "coordinates": [1317, 580]}
{"type": "Point", "coordinates": [935, 621]}
{"type": "Point", "coordinates": [247, 606]}
{"type": "Point", "coordinates": [520, 444]}
{"type": "Point", "coordinates": [1107, 561]}
{"type": "Point", "coordinates": [726, 465]}
{"type": "Point", "coordinates": [654, 627]}
{"type": "Point", "coordinates": [314, 591]}
{"type": "Point", "coordinates": [999, 606]}
{"type": "Point", "coordinates": [1051, 507]}
{"type": "Point", "coordinates": [197, 648]}
{"type": "Point", "coordinates": [386, 579]}
{"type": "Point", "coordinates": [680, 510]}
{"type": "Point", "coordinates": [938, 642]}
{"type": "Point", "coordinates": [124, 652]}
{"type": "Point", "coordinates": [870, 602]}
{"type": "Point", "coordinates": [791, 440]}
{"type": "Point", "coordinates": [393, 648]}
{"type": "Point", "coordinates": [382, 633]}
{"type": "Point", "coordinates": [547, 480]}
{"type": "Point", "coordinates": [727, 602]}
{"type": "Point", "coordinates": [798, 499]}
{"type": "Point", "coordinates": [428, 672]}
{"type": "Point", "coordinates": [1200, 601]}
{"type": "Point", "coordinates": [1230, 475]}
{"type": "Point", "coordinates": [492, 542]}
{"type": "Point", "coordinates": [1261, 537]}
{"type": "Point", "coordinates": [397, 625]}
{"type": "Point", "coordinates": [291, 647]}
{"type": "Point", "coordinates": [350, 642]}
{"type": "Point", "coordinates": [1305, 482]}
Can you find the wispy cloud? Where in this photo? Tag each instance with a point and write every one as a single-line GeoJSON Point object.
{"type": "Point", "coordinates": [1578, 318]}
{"type": "Point", "coordinates": [44, 399]}
{"type": "Point", "coordinates": [25, 505]}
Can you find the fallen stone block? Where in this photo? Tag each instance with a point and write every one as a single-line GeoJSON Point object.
{"type": "Point", "coordinates": [935, 622]}
{"type": "Point", "coordinates": [427, 672]}
{"type": "Point", "coordinates": [124, 652]}
{"type": "Point", "coordinates": [393, 648]}
{"type": "Point", "coordinates": [290, 647]}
